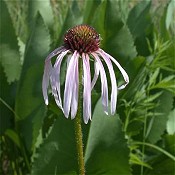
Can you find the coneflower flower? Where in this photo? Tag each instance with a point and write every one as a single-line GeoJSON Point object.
{"type": "Point", "coordinates": [81, 42]}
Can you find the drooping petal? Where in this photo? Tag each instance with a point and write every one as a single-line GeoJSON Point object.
{"type": "Point", "coordinates": [104, 85]}
{"type": "Point", "coordinates": [74, 103]}
{"type": "Point", "coordinates": [96, 74]}
{"type": "Point", "coordinates": [55, 79]}
{"type": "Point", "coordinates": [113, 82]}
{"type": "Point", "coordinates": [125, 75]}
{"type": "Point", "coordinates": [87, 89]}
{"type": "Point", "coordinates": [56, 52]}
{"type": "Point", "coordinates": [69, 84]}
{"type": "Point", "coordinates": [45, 82]}
{"type": "Point", "coordinates": [47, 72]}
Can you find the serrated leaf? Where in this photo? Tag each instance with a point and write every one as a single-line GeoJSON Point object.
{"type": "Point", "coordinates": [29, 100]}
{"type": "Point", "coordinates": [116, 37]}
{"type": "Point", "coordinates": [57, 154]}
{"type": "Point", "coordinates": [140, 25]}
{"type": "Point", "coordinates": [44, 8]}
{"type": "Point", "coordinates": [159, 122]}
{"type": "Point", "coordinates": [106, 150]}
{"type": "Point", "coordinates": [10, 58]}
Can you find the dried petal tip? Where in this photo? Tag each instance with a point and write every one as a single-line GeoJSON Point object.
{"type": "Point", "coordinates": [82, 38]}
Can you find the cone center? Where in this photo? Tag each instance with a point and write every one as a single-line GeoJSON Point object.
{"type": "Point", "coordinates": [82, 38]}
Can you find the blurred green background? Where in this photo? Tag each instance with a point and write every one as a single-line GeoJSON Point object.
{"type": "Point", "coordinates": [38, 139]}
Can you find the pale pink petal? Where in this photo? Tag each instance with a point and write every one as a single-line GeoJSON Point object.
{"type": "Point", "coordinates": [125, 75]}
{"type": "Point", "coordinates": [74, 103]}
{"type": "Point", "coordinates": [113, 82]}
{"type": "Point", "coordinates": [96, 74]}
{"type": "Point", "coordinates": [55, 52]}
{"type": "Point", "coordinates": [55, 79]}
{"type": "Point", "coordinates": [87, 89]}
{"type": "Point", "coordinates": [47, 72]}
{"type": "Point", "coordinates": [68, 90]}
{"type": "Point", "coordinates": [104, 85]}
{"type": "Point", "coordinates": [45, 82]}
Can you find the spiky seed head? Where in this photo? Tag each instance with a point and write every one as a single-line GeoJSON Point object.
{"type": "Point", "coordinates": [82, 38]}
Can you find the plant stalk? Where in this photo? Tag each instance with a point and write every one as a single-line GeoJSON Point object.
{"type": "Point", "coordinates": [78, 128]}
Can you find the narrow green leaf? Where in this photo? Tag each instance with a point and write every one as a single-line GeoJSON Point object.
{"type": "Point", "coordinates": [153, 97]}
{"type": "Point", "coordinates": [136, 160]}
{"type": "Point", "coordinates": [153, 77]}
{"type": "Point", "coordinates": [30, 105]}
{"type": "Point", "coordinates": [106, 150]}
{"type": "Point", "coordinates": [167, 83]}
{"type": "Point", "coordinates": [10, 58]}
{"type": "Point", "coordinates": [161, 150]}
{"type": "Point", "coordinates": [13, 136]}
{"type": "Point", "coordinates": [169, 143]}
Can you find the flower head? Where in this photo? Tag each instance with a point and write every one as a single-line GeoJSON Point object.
{"type": "Point", "coordinates": [81, 42]}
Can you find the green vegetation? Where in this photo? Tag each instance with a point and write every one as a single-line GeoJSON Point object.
{"type": "Point", "coordinates": [38, 139]}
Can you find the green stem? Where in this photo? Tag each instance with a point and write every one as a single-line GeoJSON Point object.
{"type": "Point", "coordinates": [9, 107]}
{"type": "Point", "coordinates": [78, 129]}
{"type": "Point", "coordinates": [157, 148]}
{"type": "Point", "coordinates": [127, 120]}
{"type": "Point", "coordinates": [143, 146]}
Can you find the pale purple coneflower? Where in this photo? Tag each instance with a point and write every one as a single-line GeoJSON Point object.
{"type": "Point", "coordinates": [81, 42]}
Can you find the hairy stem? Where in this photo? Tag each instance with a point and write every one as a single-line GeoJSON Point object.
{"type": "Point", "coordinates": [78, 129]}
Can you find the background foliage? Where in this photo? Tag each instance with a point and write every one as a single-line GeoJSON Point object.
{"type": "Point", "coordinates": [139, 139]}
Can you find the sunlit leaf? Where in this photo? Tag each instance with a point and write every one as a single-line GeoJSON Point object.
{"type": "Point", "coordinates": [171, 123]}
{"type": "Point", "coordinates": [170, 13]}
{"type": "Point", "coordinates": [10, 58]}
{"type": "Point", "coordinates": [44, 9]}
{"type": "Point", "coordinates": [169, 143]}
